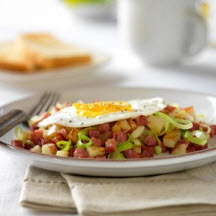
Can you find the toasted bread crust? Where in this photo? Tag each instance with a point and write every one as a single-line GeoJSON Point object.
{"type": "Point", "coordinates": [32, 51]}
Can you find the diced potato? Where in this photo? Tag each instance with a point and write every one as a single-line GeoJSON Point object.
{"type": "Point", "coordinates": [124, 125]}
{"type": "Point", "coordinates": [180, 149]}
{"type": "Point", "coordinates": [136, 133]}
{"type": "Point", "coordinates": [34, 120]}
{"type": "Point", "coordinates": [156, 123]}
{"type": "Point", "coordinates": [52, 132]}
{"type": "Point", "coordinates": [137, 149]}
{"type": "Point", "coordinates": [116, 128]}
{"type": "Point", "coordinates": [94, 151]}
{"type": "Point", "coordinates": [170, 139]}
{"type": "Point", "coordinates": [132, 124]}
{"type": "Point", "coordinates": [36, 149]}
{"type": "Point", "coordinates": [190, 110]}
{"type": "Point", "coordinates": [49, 149]}
{"type": "Point", "coordinates": [62, 153]}
{"type": "Point", "coordinates": [73, 135]}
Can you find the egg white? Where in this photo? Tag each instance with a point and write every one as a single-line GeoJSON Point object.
{"type": "Point", "coordinates": [68, 117]}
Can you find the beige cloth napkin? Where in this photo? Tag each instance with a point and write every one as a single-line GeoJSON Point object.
{"type": "Point", "coordinates": [191, 193]}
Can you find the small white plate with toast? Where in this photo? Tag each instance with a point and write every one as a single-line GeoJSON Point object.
{"type": "Point", "coordinates": [41, 57]}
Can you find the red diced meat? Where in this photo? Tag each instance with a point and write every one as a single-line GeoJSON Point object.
{"type": "Point", "coordinates": [94, 133]}
{"type": "Point", "coordinates": [199, 147]}
{"type": "Point", "coordinates": [131, 154]}
{"type": "Point", "coordinates": [62, 132]}
{"type": "Point", "coordinates": [213, 130]}
{"type": "Point", "coordinates": [56, 109]}
{"type": "Point", "coordinates": [104, 128]}
{"type": "Point", "coordinates": [120, 137]}
{"type": "Point", "coordinates": [170, 108]}
{"type": "Point", "coordinates": [164, 148]}
{"type": "Point", "coordinates": [147, 152]}
{"type": "Point", "coordinates": [100, 157]}
{"type": "Point", "coordinates": [141, 120]}
{"type": "Point", "coordinates": [17, 143]}
{"type": "Point", "coordinates": [71, 152]}
{"type": "Point", "coordinates": [57, 139]}
{"type": "Point", "coordinates": [150, 141]}
{"type": "Point", "coordinates": [196, 126]}
{"type": "Point", "coordinates": [34, 127]}
{"type": "Point", "coordinates": [36, 136]}
{"type": "Point", "coordinates": [80, 153]}
{"type": "Point", "coordinates": [190, 148]}
{"type": "Point", "coordinates": [96, 141]}
{"type": "Point", "coordinates": [110, 145]}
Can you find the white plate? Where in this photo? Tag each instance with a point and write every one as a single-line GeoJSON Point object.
{"type": "Point", "coordinates": [99, 59]}
{"type": "Point", "coordinates": [162, 164]}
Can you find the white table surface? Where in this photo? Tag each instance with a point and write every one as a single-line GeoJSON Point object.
{"type": "Point", "coordinates": [17, 16]}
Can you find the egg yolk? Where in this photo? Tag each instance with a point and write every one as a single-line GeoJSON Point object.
{"type": "Point", "coordinates": [101, 108]}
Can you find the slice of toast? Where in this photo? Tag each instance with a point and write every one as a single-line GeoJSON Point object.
{"type": "Point", "coordinates": [11, 60]}
{"type": "Point", "coordinates": [48, 52]}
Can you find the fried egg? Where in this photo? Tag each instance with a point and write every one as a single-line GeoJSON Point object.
{"type": "Point", "coordinates": [90, 114]}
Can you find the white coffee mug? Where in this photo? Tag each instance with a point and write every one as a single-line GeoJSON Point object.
{"type": "Point", "coordinates": [162, 31]}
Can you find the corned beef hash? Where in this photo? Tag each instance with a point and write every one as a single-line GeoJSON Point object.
{"type": "Point", "coordinates": [115, 130]}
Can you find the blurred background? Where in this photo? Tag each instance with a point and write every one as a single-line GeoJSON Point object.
{"type": "Point", "coordinates": [94, 24]}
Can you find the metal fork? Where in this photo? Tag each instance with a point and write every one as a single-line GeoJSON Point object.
{"type": "Point", "coordinates": [14, 117]}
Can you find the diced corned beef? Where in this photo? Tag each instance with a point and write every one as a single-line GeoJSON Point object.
{"type": "Point", "coordinates": [170, 108]}
{"type": "Point", "coordinates": [104, 128]}
{"type": "Point", "coordinates": [56, 109]}
{"type": "Point", "coordinates": [141, 120]}
{"type": "Point", "coordinates": [147, 152]}
{"type": "Point", "coordinates": [57, 139]}
{"type": "Point", "coordinates": [34, 127]}
{"type": "Point", "coordinates": [100, 157]}
{"type": "Point", "coordinates": [199, 147]}
{"type": "Point", "coordinates": [29, 145]}
{"type": "Point", "coordinates": [213, 130]}
{"type": "Point", "coordinates": [120, 137]}
{"type": "Point", "coordinates": [150, 141]}
{"type": "Point", "coordinates": [131, 154]}
{"type": "Point", "coordinates": [71, 152]}
{"type": "Point", "coordinates": [97, 141]}
{"type": "Point", "coordinates": [164, 148]}
{"type": "Point", "coordinates": [43, 142]}
{"type": "Point", "coordinates": [17, 143]}
{"type": "Point", "coordinates": [80, 153]}
{"type": "Point", "coordinates": [62, 132]}
{"type": "Point", "coordinates": [196, 126]}
{"type": "Point", "coordinates": [190, 148]}
{"type": "Point", "coordinates": [94, 133]}
{"type": "Point", "coordinates": [110, 145]}
{"type": "Point", "coordinates": [36, 136]}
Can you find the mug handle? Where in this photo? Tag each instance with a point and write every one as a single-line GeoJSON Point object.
{"type": "Point", "coordinates": [196, 34]}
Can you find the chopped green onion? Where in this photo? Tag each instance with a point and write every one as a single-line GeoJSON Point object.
{"type": "Point", "coordinates": [197, 137]}
{"type": "Point", "coordinates": [64, 145]}
{"type": "Point", "coordinates": [82, 135]}
{"type": "Point", "coordinates": [116, 155]}
{"type": "Point", "coordinates": [125, 145]}
{"type": "Point", "coordinates": [158, 149]}
{"type": "Point", "coordinates": [183, 124]}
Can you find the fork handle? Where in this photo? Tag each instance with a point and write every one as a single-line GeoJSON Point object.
{"type": "Point", "coordinates": [10, 120]}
